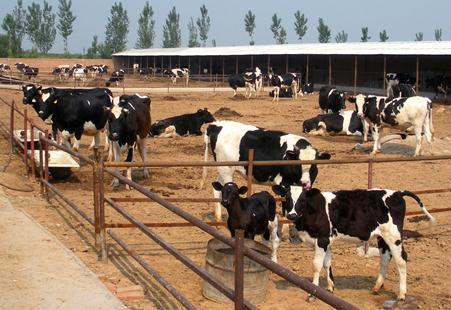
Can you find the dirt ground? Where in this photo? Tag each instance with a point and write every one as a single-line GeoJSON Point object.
{"type": "Point", "coordinates": [429, 276]}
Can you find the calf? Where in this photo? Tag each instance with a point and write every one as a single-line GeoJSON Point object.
{"type": "Point", "coordinates": [116, 77]}
{"type": "Point", "coordinates": [185, 124]}
{"type": "Point", "coordinates": [343, 123]}
{"type": "Point", "coordinates": [128, 124]}
{"type": "Point", "coordinates": [231, 141]}
{"type": "Point", "coordinates": [289, 80]}
{"type": "Point", "coordinates": [255, 215]}
{"type": "Point", "coordinates": [178, 73]}
{"type": "Point", "coordinates": [331, 99]}
{"type": "Point", "coordinates": [400, 113]}
{"type": "Point", "coordinates": [359, 215]}
{"type": "Point", "coordinates": [401, 90]}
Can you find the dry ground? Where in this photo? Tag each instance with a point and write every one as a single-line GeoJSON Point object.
{"type": "Point", "coordinates": [429, 276]}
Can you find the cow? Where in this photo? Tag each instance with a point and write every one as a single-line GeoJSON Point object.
{"type": "Point", "coordinates": [186, 124]}
{"type": "Point", "coordinates": [401, 90]}
{"type": "Point", "coordinates": [343, 123]}
{"type": "Point", "coordinates": [256, 215]}
{"type": "Point", "coordinates": [306, 89]}
{"type": "Point", "coordinates": [116, 77]}
{"type": "Point", "coordinates": [284, 93]}
{"type": "Point", "coordinates": [4, 68]}
{"type": "Point", "coordinates": [400, 113]}
{"type": "Point", "coordinates": [20, 66]}
{"type": "Point", "coordinates": [440, 84]}
{"type": "Point", "coordinates": [128, 125]}
{"type": "Point", "coordinates": [289, 80]}
{"type": "Point", "coordinates": [30, 72]}
{"type": "Point", "coordinates": [79, 74]}
{"type": "Point", "coordinates": [358, 215]}
{"type": "Point", "coordinates": [255, 77]}
{"type": "Point", "coordinates": [231, 141]}
{"type": "Point", "coordinates": [331, 99]}
{"type": "Point", "coordinates": [73, 112]}
{"type": "Point", "coordinates": [178, 73]}
{"type": "Point", "coordinates": [392, 79]}
{"type": "Point", "coordinates": [242, 80]}
{"type": "Point", "coordinates": [61, 73]}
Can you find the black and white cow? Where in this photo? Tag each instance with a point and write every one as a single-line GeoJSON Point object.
{"type": "Point", "coordinates": [79, 75]}
{"type": "Point", "coordinates": [307, 89]}
{"type": "Point", "coordinates": [116, 77]}
{"type": "Point", "coordinates": [392, 79]}
{"type": "Point", "coordinates": [289, 80]}
{"type": "Point", "coordinates": [343, 123]}
{"type": "Point", "coordinates": [186, 124]}
{"type": "Point", "coordinates": [358, 215]}
{"type": "Point", "coordinates": [177, 73]}
{"type": "Point", "coordinates": [283, 93]}
{"type": "Point", "coordinates": [231, 141]}
{"type": "Point", "coordinates": [30, 72]}
{"type": "Point", "coordinates": [20, 66]}
{"type": "Point", "coordinates": [248, 81]}
{"type": "Point", "coordinates": [255, 78]}
{"type": "Point", "coordinates": [73, 112]}
{"type": "Point", "coordinates": [400, 113]}
{"type": "Point", "coordinates": [128, 125]}
{"type": "Point", "coordinates": [4, 68]}
{"type": "Point", "coordinates": [255, 215]}
{"type": "Point", "coordinates": [401, 90]}
{"type": "Point", "coordinates": [61, 73]}
{"type": "Point", "coordinates": [331, 99]}
{"type": "Point", "coordinates": [440, 84]}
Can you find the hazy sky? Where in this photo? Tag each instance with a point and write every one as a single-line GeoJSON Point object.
{"type": "Point", "coordinates": [401, 19]}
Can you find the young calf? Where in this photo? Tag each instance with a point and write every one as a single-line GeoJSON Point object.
{"type": "Point", "coordinates": [256, 215]}
{"type": "Point", "coordinates": [322, 217]}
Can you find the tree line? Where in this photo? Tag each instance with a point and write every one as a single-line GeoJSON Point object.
{"type": "Point", "coordinates": [41, 26]}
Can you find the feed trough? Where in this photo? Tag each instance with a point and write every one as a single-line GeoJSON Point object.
{"type": "Point", "coordinates": [60, 164]}
{"type": "Point", "coordinates": [20, 135]}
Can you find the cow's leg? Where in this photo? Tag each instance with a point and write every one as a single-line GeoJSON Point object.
{"type": "Point", "coordinates": [169, 132]}
{"type": "Point", "coordinates": [327, 266]}
{"type": "Point", "coordinates": [76, 145]}
{"type": "Point", "coordinates": [272, 226]}
{"type": "Point", "coordinates": [294, 90]}
{"type": "Point", "coordinates": [142, 147]}
{"type": "Point", "coordinates": [318, 261]}
{"type": "Point", "coordinates": [129, 169]}
{"type": "Point", "coordinates": [381, 130]}
{"type": "Point", "coordinates": [225, 174]}
{"type": "Point", "coordinates": [376, 139]}
{"type": "Point", "coordinates": [366, 128]}
{"type": "Point", "coordinates": [385, 257]}
{"type": "Point", "coordinates": [95, 141]}
{"type": "Point", "coordinates": [418, 139]}
{"type": "Point", "coordinates": [107, 141]}
{"type": "Point", "coordinates": [65, 136]}
{"type": "Point", "coordinates": [116, 153]}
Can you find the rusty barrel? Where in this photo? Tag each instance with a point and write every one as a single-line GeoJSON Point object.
{"type": "Point", "coordinates": [220, 262]}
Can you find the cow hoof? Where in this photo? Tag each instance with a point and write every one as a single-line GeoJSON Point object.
{"type": "Point", "coordinates": [311, 298]}
{"type": "Point", "coordinates": [146, 174]}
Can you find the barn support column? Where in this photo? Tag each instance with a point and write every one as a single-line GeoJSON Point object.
{"type": "Point", "coordinates": [223, 65]}
{"type": "Point", "coordinates": [286, 64]}
{"type": "Point", "coordinates": [210, 70]}
{"type": "Point", "coordinates": [189, 63]}
{"type": "Point", "coordinates": [170, 62]}
{"type": "Point", "coordinates": [180, 65]}
{"type": "Point", "coordinates": [417, 89]}
{"type": "Point", "coordinates": [252, 61]}
{"type": "Point", "coordinates": [355, 75]}
{"type": "Point", "coordinates": [269, 62]}
{"type": "Point", "coordinates": [236, 64]}
{"type": "Point", "coordinates": [306, 70]}
{"type": "Point", "coordinates": [147, 62]}
{"type": "Point", "coordinates": [162, 65]}
{"type": "Point", "coordinates": [385, 72]}
{"type": "Point", "coordinates": [330, 70]}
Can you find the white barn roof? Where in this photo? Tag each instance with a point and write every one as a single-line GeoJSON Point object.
{"type": "Point", "coordinates": [352, 48]}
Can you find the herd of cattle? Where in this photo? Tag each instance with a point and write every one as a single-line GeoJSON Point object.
{"type": "Point", "coordinates": [320, 217]}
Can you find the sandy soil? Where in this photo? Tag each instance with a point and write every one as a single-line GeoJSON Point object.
{"type": "Point", "coordinates": [429, 276]}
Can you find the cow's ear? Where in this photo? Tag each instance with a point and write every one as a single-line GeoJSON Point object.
{"type": "Point", "coordinates": [279, 190]}
{"type": "Point", "coordinates": [126, 111]}
{"type": "Point", "coordinates": [107, 109]}
{"type": "Point", "coordinates": [352, 99]}
{"type": "Point", "coordinates": [199, 111]}
{"type": "Point", "coordinates": [217, 186]}
{"type": "Point", "coordinates": [242, 190]}
{"type": "Point", "coordinates": [324, 156]}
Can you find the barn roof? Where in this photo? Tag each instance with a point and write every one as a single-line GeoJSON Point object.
{"type": "Point", "coordinates": [352, 48]}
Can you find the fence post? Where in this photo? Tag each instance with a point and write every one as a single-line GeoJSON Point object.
{"type": "Point", "coordinates": [25, 139]}
{"type": "Point", "coordinates": [370, 173]}
{"type": "Point", "coordinates": [102, 233]}
{"type": "Point", "coordinates": [46, 164]}
{"type": "Point", "coordinates": [96, 186]}
{"type": "Point", "coordinates": [41, 166]}
{"type": "Point", "coordinates": [239, 269]}
{"type": "Point", "coordinates": [11, 127]}
{"type": "Point", "coordinates": [33, 163]}
{"type": "Point", "coordinates": [250, 170]}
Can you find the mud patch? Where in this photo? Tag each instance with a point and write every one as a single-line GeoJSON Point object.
{"type": "Point", "coordinates": [224, 112]}
{"type": "Point", "coordinates": [169, 98]}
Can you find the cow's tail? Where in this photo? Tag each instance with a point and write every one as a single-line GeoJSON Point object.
{"type": "Point", "coordinates": [431, 126]}
{"type": "Point", "coordinates": [204, 170]}
{"type": "Point", "coordinates": [420, 203]}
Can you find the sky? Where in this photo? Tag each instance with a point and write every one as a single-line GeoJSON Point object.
{"type": "Point", "coordinates": [401, 19]}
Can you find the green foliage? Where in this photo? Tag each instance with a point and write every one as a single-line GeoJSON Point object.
{"type": "Point", "coordinates": [13, 24]}
{"type": "Point", "coordinates": [40, 26]}
{"type": "Point", "coordinates": [341, 37]}
{"type": "Point", "coordinates": [383, 36]}
{"type": "Point", "coordinates": [146, 28]}
{"type": "Point", "coordinates": [419, 36]}
{"type": "Point", "coordinates": [94, 49]}
{"type": "Point", "coordinates": [365, 37]}
{"type": "Point", "coordinates": [4, 42]}
{"type": "Point", "coordinates": [249, 26]}
{"type": "Point", "coordinates": [300, 24]}
{"type": "Point", "coordinates": [282, 38]}
{"type": "Point", "coordinates": [192, 29]}
{"type": "Point", "coordinates": [438, 34]}
{"type": "Point", "coordinates": [203, 23]}
{"type": "Point", "coordinates": [171, 30]}
{"type": "Point", "coordinates": [66, 20]}
{"type": "Point", "coordinates": [323, 32]}
{"type": "Point", "coordinates": [275, 26]}
{"type": "Point", "coordinates": [116, 31]}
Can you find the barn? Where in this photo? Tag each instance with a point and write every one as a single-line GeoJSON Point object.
{"type": "Point", "coordinates": [353, 65]}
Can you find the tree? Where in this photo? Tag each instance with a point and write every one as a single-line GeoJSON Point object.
{"type": "Point", "coordinates": [146, 28]}
{"type": "Point", "coordinates": [4, 43]}
{"type": "Point", "coordinates": [365, 37]}
{"type": "Point", "coordinates": [282, 38]}
{"type": "Point", "coordinates": [276, 27]}
{"type": "Point", "coordinates": [383, 36]}
{"type": "Point", "coordinates": [203, 23]}
{"type": "Point", "coordinates": [323, 32]}
{"type": "Point", "coordinates": [419, 36]}
{"type": "Point", "coordinates": [192, 29]}
{"type": "Point", "coordinates": [438, 34]}
{"type": "Point", "coordinates": [116, 30]}
{"type": "Point", "coordinates": [341, 37]}
{"type": "Point", "coordinates": [14, 26]}
{"type": "Point", "coordinates": [40, 26]}
{"type": "Point", "coordinates": [300, 24]}
{"type": "Point", "coordinates": [171, 30]}
{"type": "Point", "coordinates": [249, 26]}
{"type": "Point", "coordinates": [94, 49]}
{"type": "Point", "coordinates": [66, 20]}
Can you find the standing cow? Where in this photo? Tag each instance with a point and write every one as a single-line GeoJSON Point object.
{"type": "Point", "coordinates": [331, 99]}
{"type": "Point", "coordinates": [288, 81]}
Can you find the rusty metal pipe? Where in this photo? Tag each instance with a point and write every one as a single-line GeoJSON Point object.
{"type": "Point", "coordinates": [165, 224]}
{"type": "Point", "coordinates": [68, 150]}
{"type": "Point", "coordinates": [239, 269]}
{"type": "Point", "coordinates": [25, 141]}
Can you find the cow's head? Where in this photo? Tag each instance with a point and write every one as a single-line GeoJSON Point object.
{"type": "Point", "coordinates": [290, 195]}
{"type": "Point", "coordinates": [205, 116]}
{"type": "Point", "coordinates": [48, 101]}
{"type": "Point", "coordinates": [310, 124]}
{"type": "Point", "coordinates": [299, 201]}
{"type": "Point", "coordinates": [31, 93]}
{"type": "Point", "coordinates": [361, 104]}
{"type": "Point", "coordinates": [230, 192]}
{"type": "Point", "coordinates": [119, 122]}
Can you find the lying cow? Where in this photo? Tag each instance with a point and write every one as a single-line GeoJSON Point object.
{"type": "Point", "coordinates": [128, 124]}
{"type": "Point", "coordinates": [360, 215]}
{"type": "Point", "coordinates": [231, 141]}
{"type": "Point", "coordinates": [116, 77]}
{"type": "Point", "coordinates": [181, 125]}
{"type": "Point", "coordinates": [331, 99]}
{"type": "Point", "coordinates": [255, 215]}
{"type": "Point", "coordinates": [400, 113]}
{"type": "Point", "coordinates": [289, 80]}
{"type": "Point", "coordinates": [343, 123]}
